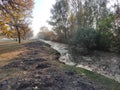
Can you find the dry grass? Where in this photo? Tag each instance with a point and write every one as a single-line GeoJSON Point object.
{"type": "Point", "coordinates": [6, 58]}
{"type": "Point", "coordinates": [10, 46]}
{"type": "Point", "coordinates": [10, 50]}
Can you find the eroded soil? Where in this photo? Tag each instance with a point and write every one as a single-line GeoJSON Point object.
{"type": "Point", "coordinates": [38, 68]}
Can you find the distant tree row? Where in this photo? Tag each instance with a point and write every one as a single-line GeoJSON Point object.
{"type": "Point", "coordinates": [46, 34]}
{"type": "Point", "coordinates": [15, 18]}
{"type": "Point", "coordinates": [87, 23]}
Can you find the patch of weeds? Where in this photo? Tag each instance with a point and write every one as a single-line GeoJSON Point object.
{"type": "Point", "coordinates": [52, 51]}
{"type": "Point", "coordinates": [109, 83]}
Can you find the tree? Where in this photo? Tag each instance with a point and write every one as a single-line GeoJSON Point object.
{"type": "Point", "coordinates": [44, 29]}
{"type": "Point", "coordinates": [72, 24]}
{"type": "Point", "coordinates": [46, 34]}
{"type": "Point", "coordinates": [78, 16]}
{"type": "Point", "coordinates": [59, 18]}
{"type": "Point", "coordinates": [16, 13]}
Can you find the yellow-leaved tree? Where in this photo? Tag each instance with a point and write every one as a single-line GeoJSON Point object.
{"type": "Point", "coordinates": [15, 16]}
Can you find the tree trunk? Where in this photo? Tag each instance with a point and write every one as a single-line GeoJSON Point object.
{"type": "Point", "coordinates": [65, 33]}
{"type": "Point", "coordinates": [19, 38]}
{"type": "Point", "coordinates": [18, 32]}
{"type": "Point", "coordinates": [24, 34]}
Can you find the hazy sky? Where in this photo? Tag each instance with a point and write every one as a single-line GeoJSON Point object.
{"type": "Point", "coordinates": [41, 14]}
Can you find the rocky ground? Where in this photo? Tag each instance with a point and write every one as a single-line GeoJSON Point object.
{"type": "Point", "coordinates": [39, 69]}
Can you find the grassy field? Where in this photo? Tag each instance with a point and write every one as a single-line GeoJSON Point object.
{"type": "Point", "coordinates": [10, 50]}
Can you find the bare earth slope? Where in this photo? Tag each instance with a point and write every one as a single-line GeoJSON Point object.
{"type": "Point", "coordinates": [38, 68]}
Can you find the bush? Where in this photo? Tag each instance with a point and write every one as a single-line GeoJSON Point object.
{"type": "Point", "coordinates": [92, 39]}
{"type": "Point", "coordinates": [104, 40]}
{"type": "Point", "coordinates": [86, 38]}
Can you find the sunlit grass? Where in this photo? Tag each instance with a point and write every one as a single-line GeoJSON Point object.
{"type": "Point", "coordinates": [10, 50]}
{"type": "Point", "coordinates": [9, 46]}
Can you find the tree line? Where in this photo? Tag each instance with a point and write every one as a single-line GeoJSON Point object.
{"type": "Point", "coordinates": [15, 16]}
{"type": "Point", "coordinates": [89, 24]}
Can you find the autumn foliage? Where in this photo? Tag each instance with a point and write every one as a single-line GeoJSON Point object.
{"type": "Point", "coordinates": [15, 18]}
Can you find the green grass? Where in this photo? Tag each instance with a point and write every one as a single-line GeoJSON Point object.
{"type": "Point", "coordinates": [109, 83]}
{"type": "Point", "coordinates": [52, 51]}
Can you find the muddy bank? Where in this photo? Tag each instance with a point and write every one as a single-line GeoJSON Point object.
{"type": "Point", "coordinates": [39, 69]}
{"type": "Point", "coordinates": [106, 63]}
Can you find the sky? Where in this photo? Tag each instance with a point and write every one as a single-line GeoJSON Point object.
{"type": "Point", "coordinates": [41, 14]}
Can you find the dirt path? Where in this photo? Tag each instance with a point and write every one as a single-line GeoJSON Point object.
{"type": "Point", "coordinates": [39, 69]}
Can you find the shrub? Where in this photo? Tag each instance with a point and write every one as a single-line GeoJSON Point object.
{"type": "Point", "coordinates": [85, 37]}
{"type": "Point", "coordinates": [93, 39]}
{"type": "Point", "coordinates": [104, 40]}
